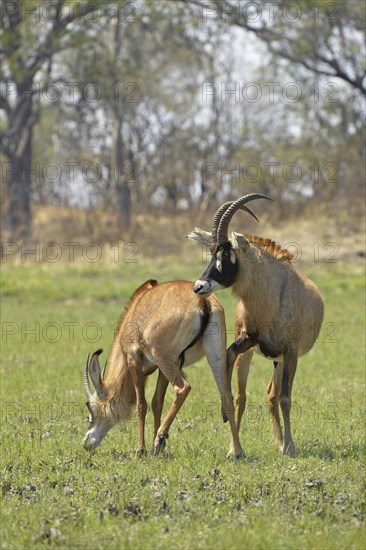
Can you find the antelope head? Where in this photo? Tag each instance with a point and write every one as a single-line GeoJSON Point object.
{"type": "Point", "coordinates": [99, 419]}
{"type": "Point", "coordinates": [223, 267]}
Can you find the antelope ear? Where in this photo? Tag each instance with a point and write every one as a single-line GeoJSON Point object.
{"type": "Point", "coordinates": [94, 371]}
{"type": "Point", "coordinates": [203, 237]}
{"type": "Point", "coordinates": [239, 241]}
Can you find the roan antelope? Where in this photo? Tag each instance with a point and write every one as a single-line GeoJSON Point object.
{"type": "Point", "coordinates": [279, 311]}
{"type": "Point", "coordinates": [165, 326]}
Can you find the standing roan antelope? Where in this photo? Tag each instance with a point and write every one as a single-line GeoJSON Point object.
{"type": "Point", "coordinates": [279, 310]}
{"type": "Point", "coordinates": [164, 326]}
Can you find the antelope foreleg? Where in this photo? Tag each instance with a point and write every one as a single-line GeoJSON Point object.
{"type": "Point", "coordinates": [139, 383]}
{"type": "Point", "coordinates": [242, 344]}
{"type": "Point", "coordinates": [242, 372]}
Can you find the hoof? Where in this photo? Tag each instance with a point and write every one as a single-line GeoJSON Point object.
{"type": "Point", "coordinates": [289, 450]}
{"type": "Point", "coordinates": [141, 452]}
{"type": "Point", "coordinates": [239, 453]}
{"type": "Point", "coordinates": [160, 445]}
{"type": "Point", "coordinates": [157, 450]}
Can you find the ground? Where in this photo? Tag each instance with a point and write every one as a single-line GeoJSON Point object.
{"type": "Point", "coordinates": [54, 493]}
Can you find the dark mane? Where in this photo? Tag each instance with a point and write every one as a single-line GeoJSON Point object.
{"type": "Point", "coordinates": [271, 247]}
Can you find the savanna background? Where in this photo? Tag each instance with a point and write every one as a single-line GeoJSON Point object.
{"type": "Point", "coordinates": [124, 125]}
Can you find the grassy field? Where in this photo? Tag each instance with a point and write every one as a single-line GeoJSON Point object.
{"type": "Point", "coordinates": [56, 494]}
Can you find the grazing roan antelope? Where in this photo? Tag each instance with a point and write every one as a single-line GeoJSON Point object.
{"type": "Point", "coordinates": [165, 326]}
{"type": "Point", "coordinates": [279, 311]}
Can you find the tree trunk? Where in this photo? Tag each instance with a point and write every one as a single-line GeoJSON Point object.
{"type": "Point", "coordinates": [124, 196]}
{"type": "Point", "coordinates": [17, 184]}
{"type": "Point", "coordinates": [120, 156]}
{"type": "Point", "coordinates": [17, 170]}
{"type": "Point", "coordinates": [20, 68]}
{"type": "Point", "coordinates": [122, 185]}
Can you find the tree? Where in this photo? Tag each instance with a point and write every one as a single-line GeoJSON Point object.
{"type": "Point", "coordinates": [326, 38]}
{"type": "Point", "coordinates": [26, 55]}
{"type": "Point", "coordinates": [319, 47]}
{"type": "Point", "coordinates": [143, 130]}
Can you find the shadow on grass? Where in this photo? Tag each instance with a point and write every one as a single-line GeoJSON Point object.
{"type": "Point", "coordinates": [331, 452]}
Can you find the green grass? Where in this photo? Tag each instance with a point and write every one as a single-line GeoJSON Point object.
{"type": "Point", "coordinates": [55, 494]}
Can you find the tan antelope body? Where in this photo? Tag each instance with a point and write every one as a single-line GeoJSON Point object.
{"type": "Point", "coordinates": [279, 311]}
{"type": "Point", "coordinates": [165, 326]}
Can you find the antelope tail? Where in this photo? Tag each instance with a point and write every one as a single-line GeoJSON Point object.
{"type": "Point", "coordinates": [205, 317]}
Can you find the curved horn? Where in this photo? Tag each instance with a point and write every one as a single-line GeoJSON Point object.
{"type": "Point", "coordinates": [87, 389]}
{"type": "Point", "coordinates": [222, 232]}
{"type": "Point", "coordinates": [95, 374]}
{"type": "Point", "coordinates": [220, 212]}
{"type": "Point", "coordinates": [105, 368]}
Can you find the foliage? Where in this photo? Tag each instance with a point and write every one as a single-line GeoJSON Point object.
{"type": "Point", "coordinates": [27, 52]}
{"type": "Point", "coordinates": [322, 37]}
{"type": "Point", "coordinates": [149, 105]}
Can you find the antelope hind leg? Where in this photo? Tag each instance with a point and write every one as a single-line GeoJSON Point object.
{"type": "Point", "coordinates": [158, 400]}
{"type": "Point", "coordinates": [215, 350]}
{"type": "Point", "coordinates": [181, 390]}
{"type": "Point", "coordinates": [285, 402]}
{"type": "Point", "coordinates": [274, 391]}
